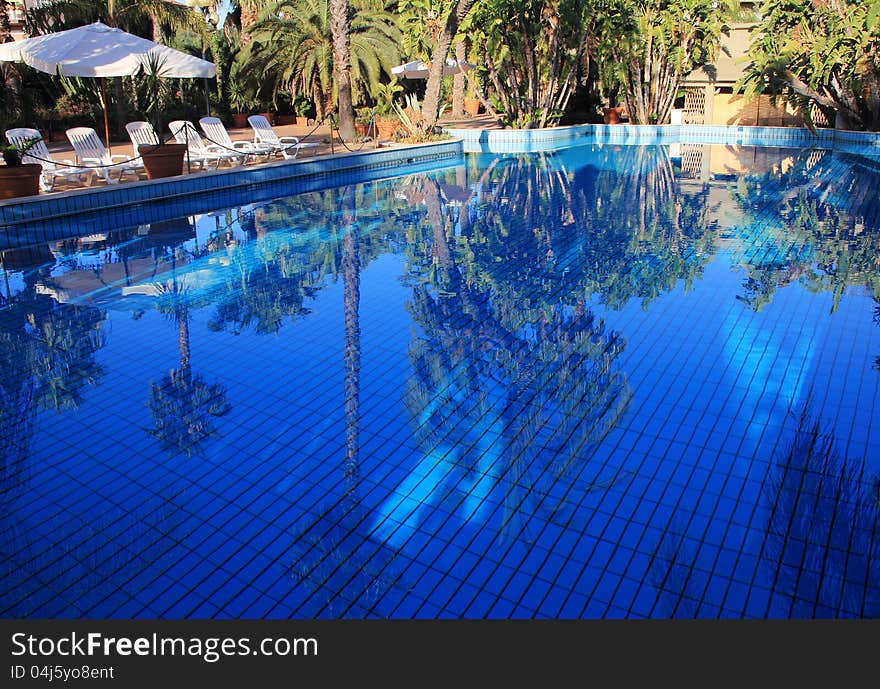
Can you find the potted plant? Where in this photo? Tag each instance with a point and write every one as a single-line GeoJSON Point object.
{"type": "Point", "coordinates": [363, 118]}
{"type": "Point", "coordinates": [386, 120]}
{"type": "Point", "coordinates": [18, 178]}
{"type": "Point", "coordinates": [472, 104]}
{"type": "Point", "coordinates": [264, 108]}
{"type": "Point", "coordinates": [613, 114]}
{"type": "Point", "coordinates": [240, 102]}
{"type": "Point", "coordinates": [166, 158]}
{"type": "Point", "coordinates": [410, 117]}
{"type": "Point", "coordinates": [302, 106]}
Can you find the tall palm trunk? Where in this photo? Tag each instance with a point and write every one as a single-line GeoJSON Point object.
{"type": "Point", "coordinates": [431, 105]}
{"type": "Point", "coordinates": [250, 14]}
{"type": "Point", "coordinates": [340, 29]}
{"type": "Point", "coordinates": [156, 25]}
{"type": "Point", "coordinates": [458, 82]}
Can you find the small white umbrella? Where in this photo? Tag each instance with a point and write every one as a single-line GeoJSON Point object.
{"type": "Point", "coordinates": [420, 70]}
{"type": "Point", "coordinates": [98, 50]}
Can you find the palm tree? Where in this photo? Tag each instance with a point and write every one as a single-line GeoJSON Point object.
{"type": "Point", "coordinates": [250, 17]}
{"type": "Point", "coordinates": [421, 22]}
{"type": "Point", "coordinates": [294, 48]}
{"type": "Point", "coordinates": [457, 14]}
{"type": "Point", "coordinates": [821, 53]}
{"type": "Point", "coordinates": [340, 30]}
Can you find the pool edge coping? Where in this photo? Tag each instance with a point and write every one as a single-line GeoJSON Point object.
{"type": "Point", "coordinates": [532, 140]}
{"type": "Point", "coordinates": [17, 212]}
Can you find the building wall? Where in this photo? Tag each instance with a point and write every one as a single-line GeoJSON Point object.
{"type": "Point", "coordinates": [736, 110]}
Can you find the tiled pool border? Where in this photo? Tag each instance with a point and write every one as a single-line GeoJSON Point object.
{"type": "Point", "coordinates": [526, 140]}
{"type": "Point", "coordinates": [39, 218]}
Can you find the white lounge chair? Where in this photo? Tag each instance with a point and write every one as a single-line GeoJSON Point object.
{"type": "Point", "coordinates": [90, 152]}
{"type": "Point", "coordinates": [264, 135]}
{"type": "Point", "coordinates": [185, 132]}
{"type": "Point", "coordinates": [142, 133]}
{"type": "Point", "coordinates": [39, 153]}
{"type": "Point", "coordinates": [215, 133]}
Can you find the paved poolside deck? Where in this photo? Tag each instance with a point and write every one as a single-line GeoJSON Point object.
{"type": "Point", "coordinates": [61, 149]}
{"type": "Point", "coordinates": [320, 135]}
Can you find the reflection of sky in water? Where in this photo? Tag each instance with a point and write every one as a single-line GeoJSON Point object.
{"type": "Point", "coordinates": [567, 389]}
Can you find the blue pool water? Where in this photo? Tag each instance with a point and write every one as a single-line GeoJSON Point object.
{"type": "Point", "coordinates": [600, 382]}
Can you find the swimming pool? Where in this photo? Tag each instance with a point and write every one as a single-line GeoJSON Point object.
{"type": "Point", "coordinates": [605, 381]}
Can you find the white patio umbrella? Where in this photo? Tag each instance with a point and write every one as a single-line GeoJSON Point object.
{"type": "Point", "coordinates": [421, 70]}
{"type": "Point", "coordinates": [98, 50]}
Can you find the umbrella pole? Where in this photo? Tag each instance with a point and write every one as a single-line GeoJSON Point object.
{"type": "Point", "coordinates": [106, 122]}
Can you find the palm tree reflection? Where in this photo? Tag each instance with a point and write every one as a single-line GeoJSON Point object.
{"type": "Point", "coordinates": [47, 362]}
{"type": "Point", "coordinates": [506, 389]}
{"type": "Point", "coordinates": [811, 222]}
{"type": "Point", "coordinates": [183, 404]}
{"type": "Point", "coordinates": [340, 572]}
{"type": "Point", "coordinates": [822, 550]}
{"type": "Point", "coordinates": [47, 352]}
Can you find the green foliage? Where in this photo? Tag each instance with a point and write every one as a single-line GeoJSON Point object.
{"type": "Point", "coordinates": [154, 93]}
{"type": "Point", "coordinates": [240, 97]}
{"type": "Point", "coordinates": [293, 50]}
{"type": "Point", "coordinates": [533, 52]}
{"type": "Point", "coordinates": [12, 153]}
{"type": "Point", "coordinates": [384, 95]}
{"type": "Point", "coordinates": [647, 46]}
{"type": "Point", "coordinates": [420, 22]}
{"type": "Point", "coordinates": [302, 106]}
{"type": "Point", "coordinates": [825, 53]}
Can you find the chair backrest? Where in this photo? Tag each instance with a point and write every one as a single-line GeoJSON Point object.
{"type": "Point", "coordinates": [142, 133]}
{"type": "Point", "coordinates": [185, 132]}
{"type": "Point", "coordinates": [263, 132]}
{"type": "Point", "coordinates": [86, 144]}
{"type": "Point", "coordinates": [37, 153]}
{"type": "Point", "coordinates": [215, 131]}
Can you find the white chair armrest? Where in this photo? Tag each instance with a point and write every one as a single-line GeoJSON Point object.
{"type": "Point", "coordinates": [119, 157]}
{"type": "Point", "coordinates": [289, 139]}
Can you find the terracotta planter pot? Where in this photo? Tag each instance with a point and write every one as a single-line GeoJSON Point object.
{"type": "Point", "coordinates": [302, 121]}
{"type": "Point", "coordinates": [20, 180]}
{"type": "Point", "coordinates": [386, 128]}
{"type": "Point", "coordinates": [239, 120]}
{"type": "Point", "coordinates": [285, 119]}
{"type": "Point", "coordinates": [269, 116]}
{"type": "Point", "coordinates": [163, 161]}
{"type": "Point", "coordinates": [361, 129]}
{"type": "Point", "coordinates": [472, 106]}
{"type": "Point", "coordinates": [613, 115]}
